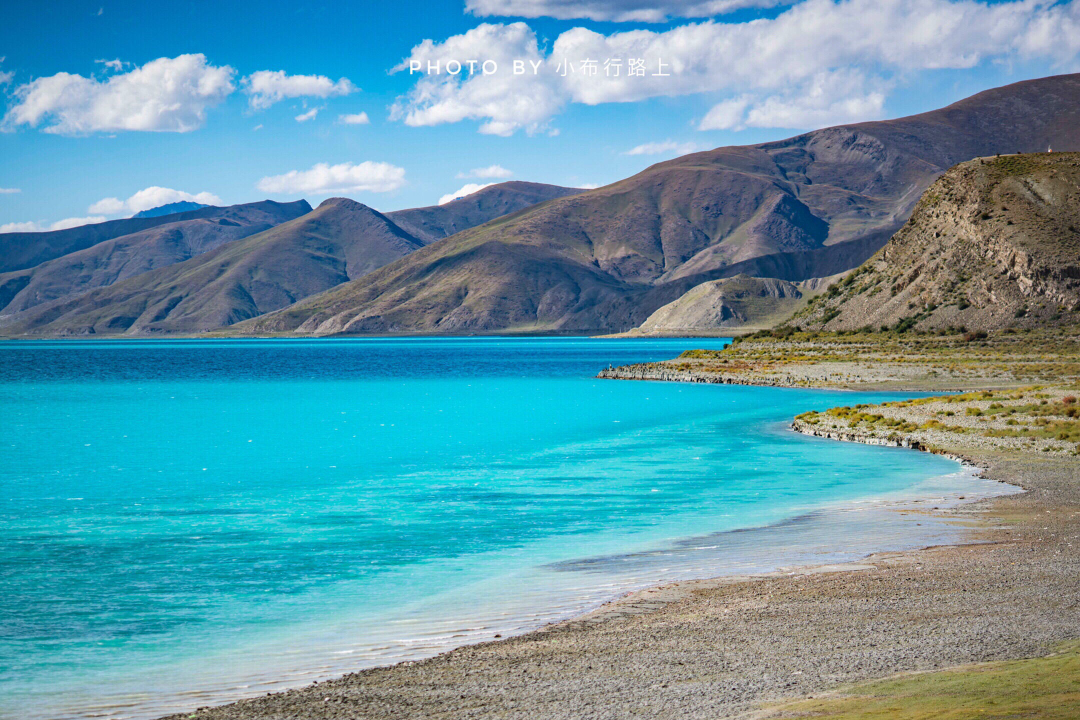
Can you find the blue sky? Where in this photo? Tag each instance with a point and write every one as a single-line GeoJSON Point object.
{"type": "Point", "coordinates": [206, 98]}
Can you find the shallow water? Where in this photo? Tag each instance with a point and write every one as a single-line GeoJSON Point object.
{"type": "Point", "coordinates": [188, 522]}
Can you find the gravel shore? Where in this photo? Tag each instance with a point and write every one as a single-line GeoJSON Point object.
{"type": "Point", "coordinates": [726, 648]}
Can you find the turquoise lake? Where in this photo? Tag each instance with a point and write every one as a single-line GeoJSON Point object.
{"type": "Point", "coordinates": [188, 522]}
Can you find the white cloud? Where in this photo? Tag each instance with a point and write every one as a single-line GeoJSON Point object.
{"type": "Point", "coordinates": [150, 198]}
{"type": "Point", "coordinates": [652, 11]}
{"type": "Point", "coordinates": [829, 98]}
{"type": "Point", "coordinates": [665, 147]}
{"type": "Point", "coordinates": [819, 61]}
{"type": "Point", "coordinates": [109, 206]}
{"type": "Point", "coordinates": [309, 115]}
{"type": "Point", "coordinates": [164, 95]}
{"type": "Point", "coordinates": [9, 191]}
{"type": "Point", "coordinates": [588, 186]}
{"type": "Point", "coordinates": [20, 227]}
{"type": "Point", "coordinates": [505, 102]}
{"type": "Point", "coordinates": [115, 65]}
{"type": "Point", "coordinates": [491, 171]}
{"type": "Point", "coordinates": [727, 115]}
{"type": "Point", "coordinates": [257, 127]}
{"type": "Point", "coordinates": [267, 87]}
{"type": "Point", "coordinates": [468, 189]}
{"type": "Point", "coordinates": [5, 77]}
{"type": "Point", "coordinates": [367, 176]}
{"type": "Point", "coordinates": [64, 224]}
{"type": "Point", "coordinates": [75, 222]}
{"type": "Point", "coordinates": [359, 118]}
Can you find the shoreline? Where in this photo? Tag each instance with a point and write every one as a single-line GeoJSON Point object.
{"type": "Point", "coordinates": [423, 688]}
{"type": "Point", "coordinates": [938, 529]}
{"type": "Point", "coordinates": [414, 689]}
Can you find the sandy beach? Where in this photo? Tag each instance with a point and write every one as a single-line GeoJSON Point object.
{"type": "Point", "coordinates": [737, 646]}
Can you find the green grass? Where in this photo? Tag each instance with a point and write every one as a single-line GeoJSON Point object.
{"type": "Point", "coordinates": [1045, 688]}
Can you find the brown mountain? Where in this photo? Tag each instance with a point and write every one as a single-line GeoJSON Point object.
{"type": "Point", "coordinates": [429, 224]}
{"type": "Point", "coordinates": [117, 259]}
{"type": "Point", "coordinates": [993, 244]}
{"type": "Point", "coordinates": [339, 241]}
{"type": "Point", "coordinates": [603, 261]}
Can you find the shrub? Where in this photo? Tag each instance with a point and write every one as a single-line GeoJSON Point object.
{"type": "Point", "coordinates": [902, 326]}
{"type": "Point", "coordinates": [973, 336]}
{"type": "Point", "coordinates": [1069, 400]}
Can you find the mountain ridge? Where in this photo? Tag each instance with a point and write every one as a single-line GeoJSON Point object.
{"type": "Point", "coordinates": [809, 206]}
{"type": "Point", "coordinates": [117, 259]}
{"type": "Point", "coordinates": [22, 250]}
{"type": "Point", "coordinates": [170, 209]}
{"type": "Point", "coordinates": [339, 241]}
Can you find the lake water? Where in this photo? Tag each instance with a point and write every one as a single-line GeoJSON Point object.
{"type": "Point", "coordinates": [187, 522]}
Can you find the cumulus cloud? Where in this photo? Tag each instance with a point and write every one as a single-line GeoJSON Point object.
{"type": "Point", "coordinates": [115, 65]}
{"type": "Point", "coordinates": [491, 171]}
{"type": "Point", "coordinates": [20, 227]}
{"type": "Point", "coordinates": [650, 11]}
{"type": "Point", "coordinates": [829, 98]}
{"type": "Point", "coordinates": [664, 147]}
{"type": "Point", "coordinates": [75, 222]}
{"type": "Point", "coordinates": [266, 87]}
{"type": "Point", "coordinates": [503, 101]}
{"type": "Point", "coordinates": [64, 224]}
{"type": "Point", "coordinates": [467, 189]}
{"type": "Point", "coordinates": [367, 176]}
{"type": "Point", "coordinates": [309, 115]}
{"type": "Point", "coordinates": [150, 198]}
{"type": "Point", "coordinates": [359, 118]}
{"type": "Point", "coordinates": [164, 95]}
{"type": "Point", "coordinates": [818, 61]}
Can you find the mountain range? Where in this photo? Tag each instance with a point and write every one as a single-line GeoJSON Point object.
{"type": "Point", "coordinates": [522, 257]}
{"type": "Point", "coordinates": [603, 261]}
{"type": "Point", "coordinates": [175, 239]}
{"type": "Point", "coordinates": [240, 274]}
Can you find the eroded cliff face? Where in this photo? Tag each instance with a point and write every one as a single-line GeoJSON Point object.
{"type": "Point", "coordinates": [993, 244]}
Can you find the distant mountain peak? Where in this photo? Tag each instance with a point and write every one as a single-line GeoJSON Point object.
{"type": "Point", "coordinates": [344, 203]}
{"type": "Point", "coordinates": [170, 209]}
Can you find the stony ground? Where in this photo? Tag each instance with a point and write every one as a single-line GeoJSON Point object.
{"type": "Point", "coordinates": [726, 648]}
{"type": "Point", "coordinates": [882, 361]}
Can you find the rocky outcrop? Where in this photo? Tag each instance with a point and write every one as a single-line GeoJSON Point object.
{"type": "Point", "coordinates": [993, 244]}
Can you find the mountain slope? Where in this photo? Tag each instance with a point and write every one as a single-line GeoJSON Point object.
{"type": "Point", "coordinates": [429, 224]}
{"type": "Point", "coordinates": [114, 260]}
{"type": "Point", "coordinates": [993, 244]}
{"type": "Point", "coordinates": [25, 250]}
{"type": "Point", "coordinates": [339, 241]}
{"type": "Point", "coordinates": [603, 261]}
